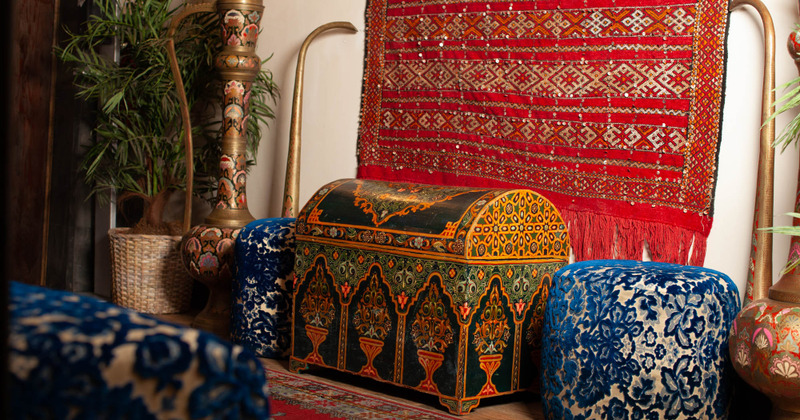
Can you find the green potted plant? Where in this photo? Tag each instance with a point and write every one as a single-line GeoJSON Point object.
{"type": "Point", "coordinates": [137, 153]}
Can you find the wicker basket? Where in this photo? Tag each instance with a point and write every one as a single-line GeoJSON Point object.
{"type": "Point", "coordinates": [147, 274]}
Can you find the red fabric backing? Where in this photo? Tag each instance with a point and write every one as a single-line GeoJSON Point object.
{"type": "Point", "coordinates": [611, 109]}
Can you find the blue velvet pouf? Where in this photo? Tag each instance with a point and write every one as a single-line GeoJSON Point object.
{"type": "Point", "coordinates": [262, 295]}
{"type": "Point", "coordinates": [637, 340]}
{"type": "Point", "coordinates": [76, 357]}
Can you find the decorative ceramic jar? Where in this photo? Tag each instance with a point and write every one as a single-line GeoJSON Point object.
{"type": "Point", "coordinates": [764, 349]}
{"type": "Point", "coordinates": [207, 254]}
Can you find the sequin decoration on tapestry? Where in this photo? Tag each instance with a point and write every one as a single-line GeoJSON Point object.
{"type": "Point", "coordinates": [611, 109]}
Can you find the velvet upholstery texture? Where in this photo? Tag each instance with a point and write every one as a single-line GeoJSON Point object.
{"type": "Point", "coordinates": [262, 294]}
{"type": "Point", "coordinates": [74, 356]}
{"type": "Point", "coordinates": [638, 340]}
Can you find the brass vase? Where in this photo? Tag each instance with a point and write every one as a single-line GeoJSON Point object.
{"type": "Point", "coordinates": [207, 249]}
{"type": "Point", "coordinates": [765, 338]}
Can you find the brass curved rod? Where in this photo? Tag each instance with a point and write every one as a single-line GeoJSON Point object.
{"type": "Point", "coordinates": [184, 103]}
{"type": "Point", "coordinates": [291, 186]}
{"type": "Point", "coordinates": [762, 277]}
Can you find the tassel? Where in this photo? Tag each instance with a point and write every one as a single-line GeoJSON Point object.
{"type": "Point", "coordinates": [598, 236]}
{"type": "Point", "coordinates": [699, 252]}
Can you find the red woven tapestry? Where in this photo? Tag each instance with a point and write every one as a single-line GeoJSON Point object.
{"type": "Point", "coordinates": [611, 109]}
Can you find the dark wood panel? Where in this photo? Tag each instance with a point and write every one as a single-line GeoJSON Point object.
{"type": "Point", "coordinates": [69, 262]}
{"type": "Point", "coordinates": [31, 66]}
{"type": "Point", "coordinates": [49, 219]}
{"type": "Point", "coordinates": [5, 123]}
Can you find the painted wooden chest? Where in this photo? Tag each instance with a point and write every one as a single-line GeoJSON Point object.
{"type": "Point", "coordinates": [434, 288]}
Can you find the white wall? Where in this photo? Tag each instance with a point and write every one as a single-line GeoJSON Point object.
{"type": "Point", "coordinates": [332, 92]}
{"type": "Point", "coordinates": [729, 241]}
{"type": "Point", "coordinates": [333, 75]}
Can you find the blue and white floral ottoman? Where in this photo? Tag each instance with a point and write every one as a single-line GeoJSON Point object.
{"type": "Point", "coordinates": [75, 356]}
{"type": "Point", "coordinates": [639, 340]}
{"type": "Point", "coordinates": [262, 293]}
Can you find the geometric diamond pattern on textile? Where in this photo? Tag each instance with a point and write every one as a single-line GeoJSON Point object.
{"type": "Point", "coordinates": [609, 109]}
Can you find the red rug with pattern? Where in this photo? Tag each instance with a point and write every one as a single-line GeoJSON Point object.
{"type": "Point", "coordinates": [610, 108]}
{"type": "Point", "coordinates": [302, 396]}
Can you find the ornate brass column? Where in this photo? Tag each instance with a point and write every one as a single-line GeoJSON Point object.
{"type": "Point", "coordinates": [207, 249]}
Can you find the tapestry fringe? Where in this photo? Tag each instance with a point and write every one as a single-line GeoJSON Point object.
{"type": "Point", "coordinates": [597, 236]}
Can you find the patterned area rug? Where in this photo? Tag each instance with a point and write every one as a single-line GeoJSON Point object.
{"type": "Point", "coordinates": [304, 397]}
{"type": "Point", "coordinates": [610, 108]}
